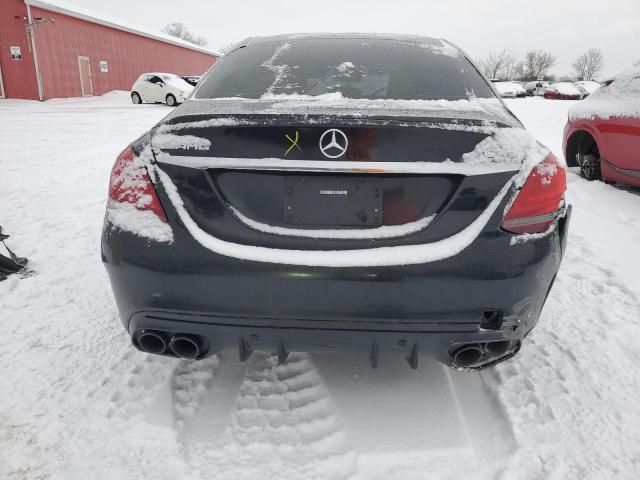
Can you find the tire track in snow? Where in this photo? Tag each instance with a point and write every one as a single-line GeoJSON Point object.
{"type": "Point", "coordinates": [281, 424]}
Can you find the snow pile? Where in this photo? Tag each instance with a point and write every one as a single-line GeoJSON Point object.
{"type": "Point", "coordinates": [619, 99]}
{"type": "Point", "coordinates": [143, 223]}
{"type": "Point", "coordinates": [345, 67]}
{"type": "Point", "coordinates": [168, 141]}
{"type": "Point", "coordinates": [489, 110]}
{"type": "Point", "coordinates": [588, 86]}
{"type": "Point", "coordinates": [129, 183]}
{"type": "Point", "coordinates": [444, 48]}
{"type": "Point", "coordinates": [513, 147]}
{"type": "Point", "coordinates": [337, 100]}
{"type": "Point", "coordinates": [212, 122]}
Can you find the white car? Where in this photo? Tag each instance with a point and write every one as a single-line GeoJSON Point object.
{"type": "Point", "coordinates": [160, 88]}
{"type": "Point", "coordinates": [510, 89]}
{"type": "Point", "coordinates": [537, 87]}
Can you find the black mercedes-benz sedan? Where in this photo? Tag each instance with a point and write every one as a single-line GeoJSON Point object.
{"type": "Point", "coordinates": [331, 192]}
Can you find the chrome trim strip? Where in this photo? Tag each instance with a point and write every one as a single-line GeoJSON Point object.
{"type": "Point", "coordinates": [333, 166]}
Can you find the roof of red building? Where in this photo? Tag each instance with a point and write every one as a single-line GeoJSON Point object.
{"type": "Point", "coordinates": [72, 10]}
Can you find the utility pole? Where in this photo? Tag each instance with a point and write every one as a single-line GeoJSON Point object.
{"type": "Point", "coordinates": [31, 34]}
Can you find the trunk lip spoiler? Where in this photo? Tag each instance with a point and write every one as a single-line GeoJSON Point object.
{"type": "Point", "coordinates": [334, 166]}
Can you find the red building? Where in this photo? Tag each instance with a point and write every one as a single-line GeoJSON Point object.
{"type": "Point", "coordinates": [51, 49]}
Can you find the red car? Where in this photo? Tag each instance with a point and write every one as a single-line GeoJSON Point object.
{"type": "Point", "coordinates": [602, 135]}
{"type": "Point", "coordinates": [562, 91]}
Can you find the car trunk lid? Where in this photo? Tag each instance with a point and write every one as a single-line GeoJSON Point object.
{"type": "Point", "coordinates": [271, 181]}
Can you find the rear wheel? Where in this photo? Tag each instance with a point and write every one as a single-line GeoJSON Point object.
{"type": "Point", "coordinates": [171, 100]}
{"type": "Point", "coordinates": [135, 98]}
{"type": "Point", "coordinates": [589, 164]}
{"type": "Point", "coordinates": [582, 151]}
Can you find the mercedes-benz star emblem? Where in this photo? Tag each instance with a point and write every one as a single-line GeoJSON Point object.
{"type": "Point", "coordinates": [333, 143]}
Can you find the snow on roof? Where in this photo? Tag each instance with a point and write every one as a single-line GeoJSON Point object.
{"type": "Point", "coordinates": [621, 98]}
{"type": "Point", "coordinates": [72, 10]}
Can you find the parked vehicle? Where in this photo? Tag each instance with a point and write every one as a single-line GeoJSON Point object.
{"type": "Point", "coordinates": [536, 88]}
{"type": "Point", "coordinates": [191, 79]}
{"type": "Point", "coordinates": [562, 91]}
{"type": "Point", "coordinates": [160, 88]}
{"type": "Point", "coordinates": [586, 87]}
{"type": "Point", "coordinates": [510, 89]}
{"type": "Point", "coordinates": [602, 135]}
{"type": "Point", "coordinates": [323, 192]}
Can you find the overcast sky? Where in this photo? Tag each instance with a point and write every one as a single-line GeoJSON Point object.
{"type": "Point", "coordinates": [564, 27]}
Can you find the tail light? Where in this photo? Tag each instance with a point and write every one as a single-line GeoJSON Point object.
{"type": "Point", "coordinates": [540, 199]}
{"type": "Point", "coordinates": [130, 184]}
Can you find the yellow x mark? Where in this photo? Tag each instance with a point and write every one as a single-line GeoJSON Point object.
{"type": "Point", "coordinates": [294, 143]}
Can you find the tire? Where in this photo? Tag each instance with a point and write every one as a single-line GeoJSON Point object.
{"type": "Point", "coordinates": [589, 164]}
{"type": "Point", "coordinates": [136, 98]}
{"type": "Point", "coordinates": [171, 100]}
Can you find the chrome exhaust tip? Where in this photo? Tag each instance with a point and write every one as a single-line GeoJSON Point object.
{"type": "Point", "coordinates": [185, 347]}
{"type": "Point", "coordinates": [498, 348]}
{"type": "Point", "coordinates": [151, 342]}
{"type": "Point", "coordinates": [467, 355]}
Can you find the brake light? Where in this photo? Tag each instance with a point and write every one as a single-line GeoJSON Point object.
{"type": "Point", "coordinates": [130, 184]}
{"type": "Point", "coordinates": [540, 199]}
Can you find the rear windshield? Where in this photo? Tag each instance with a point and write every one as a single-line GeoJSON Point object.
{"type": "Point", "coordinates": [426, 69]}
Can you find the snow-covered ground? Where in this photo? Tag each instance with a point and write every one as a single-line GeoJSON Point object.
{"type": "Point", "coordinates": [77, 401]}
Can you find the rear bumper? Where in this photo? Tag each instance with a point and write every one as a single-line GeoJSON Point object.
{"type": "Point", "coordinates": [215, 334]}
{"type": "Point", "coordinates": [428, 309]}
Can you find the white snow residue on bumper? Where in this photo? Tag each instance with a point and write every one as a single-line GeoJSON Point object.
{"type": "Point", "coordinates": [143, 223]}
{"type": "Point", "coordinates": [385, 231]}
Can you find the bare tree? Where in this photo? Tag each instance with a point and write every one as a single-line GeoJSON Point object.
{"type": "Point", "coordinates": [179, 30]}
{"type": "Point", "coordinates": [519, 72]}
{"type": "Point", "coordinates": [589, 65]}
{"type": "Point", "coordinates": [494, 63]}
{"type": "Point", "coordinates": [510, 70]}
{"type": "Point", "coordinates": [537, 63]}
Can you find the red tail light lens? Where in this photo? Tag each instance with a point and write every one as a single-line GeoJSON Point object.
{"type": "Point", "coordinates": [130, 183]}
{"type": "Point", "coordinates": [540, 199]}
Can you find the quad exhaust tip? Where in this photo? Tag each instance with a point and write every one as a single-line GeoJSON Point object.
{"type": "Point", "coordinates": [180, 345]}
{"type": "Point", "coordinates": [151, 342]}
{"type": "Point", "coordinates": [468, 355]}
{"type": "Point", "coordinates": [497, 348]}
{"type": "Point", "coordinates": [472, 354]}
{"type": "Point", "coordinates": [184, 347]}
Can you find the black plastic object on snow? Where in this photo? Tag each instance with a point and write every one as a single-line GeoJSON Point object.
{"type": "Point", "coordinates": [12, 263]}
